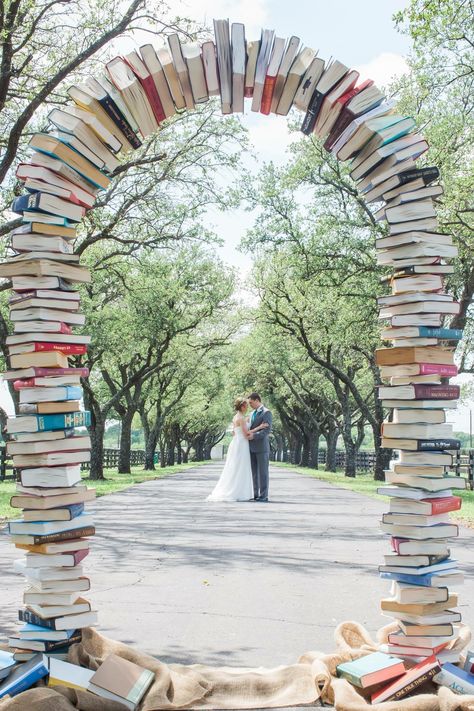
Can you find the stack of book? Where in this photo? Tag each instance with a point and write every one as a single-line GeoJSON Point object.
{"type": "Point", "coordinates": [47, 439]}
{"type": "Point", "coordinates": [116, 678]}
{"type": "Point", "coordinates": [416, 369]}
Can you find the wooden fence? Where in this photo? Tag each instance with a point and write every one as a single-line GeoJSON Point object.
{"type": "Point", "coordinates": [463, 462]}
{"type": "Point", "coordinates": [110, 461]}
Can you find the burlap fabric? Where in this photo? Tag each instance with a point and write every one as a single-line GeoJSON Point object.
{"type": "Point", "coordinates": [201, 687]}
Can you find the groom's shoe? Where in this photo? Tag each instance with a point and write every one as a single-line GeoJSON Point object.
{"type": "Point", "coordinates": [261, 498]}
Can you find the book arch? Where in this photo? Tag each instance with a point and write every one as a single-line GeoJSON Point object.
{"type": "Point", "coordinates": [109, 116]}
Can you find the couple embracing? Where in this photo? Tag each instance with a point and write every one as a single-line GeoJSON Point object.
{"type": "Point", "coordinates": [245, 474]}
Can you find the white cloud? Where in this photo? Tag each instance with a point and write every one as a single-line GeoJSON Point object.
{"type": "Point", "coordinates": [269, 135]}
{"type": "Point", "coordinates": [384, 68]}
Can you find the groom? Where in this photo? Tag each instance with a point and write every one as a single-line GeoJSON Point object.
{"type": "Point", "coordinates": [259, 446]}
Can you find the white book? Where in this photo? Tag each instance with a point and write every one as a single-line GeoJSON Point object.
{"type": "Point", "coordinates": [181, 69]}
{"type": "Point", "coordinates": [153, 65]}
{"type": "Point", "coordinates": [209, 61]}
{"type": "Point", "coordinates": [310, 79]}
{"type": "Point", "coordinates": [224, 62]}
{"type": "Point", "coordinates": [289, 56]}
{"type": "Point", "coordinates": [193, 59]}
{"type": "Point", "coordinates": [239, 55]}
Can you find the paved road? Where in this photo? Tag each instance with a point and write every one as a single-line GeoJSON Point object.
{"type": "Point", "coordinates": [241, 584]}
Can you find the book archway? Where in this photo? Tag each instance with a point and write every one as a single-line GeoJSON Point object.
{"type": "Point", "coordinates": [355, 122]}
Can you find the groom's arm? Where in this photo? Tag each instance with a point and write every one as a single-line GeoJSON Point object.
{"type": "Point", "coordinates": [267, 417]}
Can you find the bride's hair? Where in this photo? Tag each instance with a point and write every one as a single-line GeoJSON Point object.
{"type": "Point", "coordinates": [239, 402]}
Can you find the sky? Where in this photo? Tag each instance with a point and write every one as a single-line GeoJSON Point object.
{"type": "Point", "coordinates": [361, 34]}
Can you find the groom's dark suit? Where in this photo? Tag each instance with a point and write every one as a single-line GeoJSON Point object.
{"type": "Point", "coordinates": [260, 451]}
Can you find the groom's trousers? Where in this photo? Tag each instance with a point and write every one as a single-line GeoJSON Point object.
{"type": "Point", "coordinates": [259, 462]}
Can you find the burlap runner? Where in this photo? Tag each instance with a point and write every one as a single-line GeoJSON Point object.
{"type": "Point", "coordinates": [178, 686]}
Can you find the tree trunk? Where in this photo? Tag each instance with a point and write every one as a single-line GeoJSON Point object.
{"type": "Point", "coordinates": [314, 451]}
{"type": "Point", "coordinates": [331, 438]}
{"type": "Point", "coordinates": [351, 453]}
{"type": "Point", "coordinates": [382, 457]}
{"type": "Point", "coordinates": [97, 431]}
{"type": "Point", "coordinates": [125, 443]}
{"type": "Point", "coordinates": [304, 457]}
{"type": "Point", "coordinates": [150, 449]}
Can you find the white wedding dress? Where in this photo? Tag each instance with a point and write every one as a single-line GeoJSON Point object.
{"type": "Point", "coordinates": [235, 482]}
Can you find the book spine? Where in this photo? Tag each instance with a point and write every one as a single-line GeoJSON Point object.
{"type": "Point", "coordinates": [26, 202]}
{"type": "Point", "coordinates": [426, 174]}
{"type": "Point", "coordinates": [413, 685]}
{"type": "Point", "coordinates": [64, 535]}
{"type": "Point", "coordinates": [267, 95]}
{"type": "Point", "coordinates": [155, 101]}
{"type": "Point", "coordinates": [453, 682]}
{"type": "Point", "coordinates": [450, 334]}
{"type": "Point", "coordinates": [52, 372]}
{"type": "Point", "coordinates": [342, 122]}
{"type": "Point", "coordinates": [447, 371]}
{"type": "Point", "coordinates": [248, 92]}
{"type": "Point", "coordinates": [66, 348]}
{"type": "Point", "coordinates": [436, 392]}
{"type": "Point", "coordinates": [114, 113]}
{"type": "Point", "coordinates": [32, 619]}
{"type": "Point", "coordinates": [311, 116]}
{"type": "Point", "coordinates": [52, 644]}
{"type": "Point", "coordinates": [438, 506]}
{"type": "Point", "coordinates": [26, 682]}
{"type": "Point", "coordinates": [433, 445]}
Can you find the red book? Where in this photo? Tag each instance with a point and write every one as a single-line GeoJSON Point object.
{"type": "Point", "coordinates": [54, 372]}
{"type": "Point", "coordinates": [436, 392]}
{"type": "Point", "coordinates": [409, 682]}
{"type": "Point", "coordinates": [66, 348]}
{"type": "Point", "coordinates": [447, 371]}
{"type": "Point", "coordinates": [148, 84]}
{"type": "Point", "coordinates": [64, 328]}
{"type": "Point", "coordinates": [267, 95]}
{"type": "Point", "coordinates": [448, 503]}
{"type": "Point", "coordinates": [341, 102]}
{"type": "Point", "coordinates": [345, 118]}
{"type": "Point", "coordinates": [32, 382]}
{"type": "Point", "coordinates": [78, 555]}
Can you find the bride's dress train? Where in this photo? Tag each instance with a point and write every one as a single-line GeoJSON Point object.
{"type": "Point", "coordinates": [235, 482]}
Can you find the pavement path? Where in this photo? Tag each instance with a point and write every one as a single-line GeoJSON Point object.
{"type": "Point", "coordinates": [237, 584]}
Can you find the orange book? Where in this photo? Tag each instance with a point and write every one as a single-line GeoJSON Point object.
{"type": "Point", "coordinates": [267, 94]}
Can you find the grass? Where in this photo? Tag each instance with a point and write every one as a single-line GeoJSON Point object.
{"type": "Point", "coordinates": [112, 482]}
{"type": "Point", "coordinates": [365, 484]}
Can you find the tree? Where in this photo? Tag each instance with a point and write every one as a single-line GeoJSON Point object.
{"type": "Point", "coordinates": [318, 279]}
{"type": "Point", "coordinates": [438, 91]}
{"type": "Point", "coordinates": [138, 315]}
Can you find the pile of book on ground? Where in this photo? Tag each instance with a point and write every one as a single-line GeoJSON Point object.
{"type": "Point", "coordinates": [74, 159]}
{"type": "Point", "coordinates": [387, 677]}
{"type": "Point", "coordinates": [116, 678]}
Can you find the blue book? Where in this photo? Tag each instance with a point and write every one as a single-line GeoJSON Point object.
{"type": "Point", "coordinates": [37, 632]}
{"type": "Point", "coordinates": [54, 155]}
{"type": "Point", "coordinates": [74, 510]}
{"type": "Point", "coordinates": [60, 421]}
{"type": "Point", "coordinates": [43, 528]}
{"type": "Point", "coordinates": [7, 662]}
{"type": "Point", "coordinates": [372, 669]}
{"type": "Point", "coordinates": [437, 579]}
{"type": "Point", "coordinates": [459, 680]}
{"type": "Point", "coordinates": [24, 676]}
{"type": "Point", "coordinates": [448, 334]}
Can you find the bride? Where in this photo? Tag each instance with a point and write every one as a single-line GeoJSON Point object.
{"type": "Point", "coordinates": [235, 482]}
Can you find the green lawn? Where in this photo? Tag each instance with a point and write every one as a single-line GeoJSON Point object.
{"type": "Point", "coordinates": [365, 484]}
{"type": "Point", "coordinates": [113, 482]}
